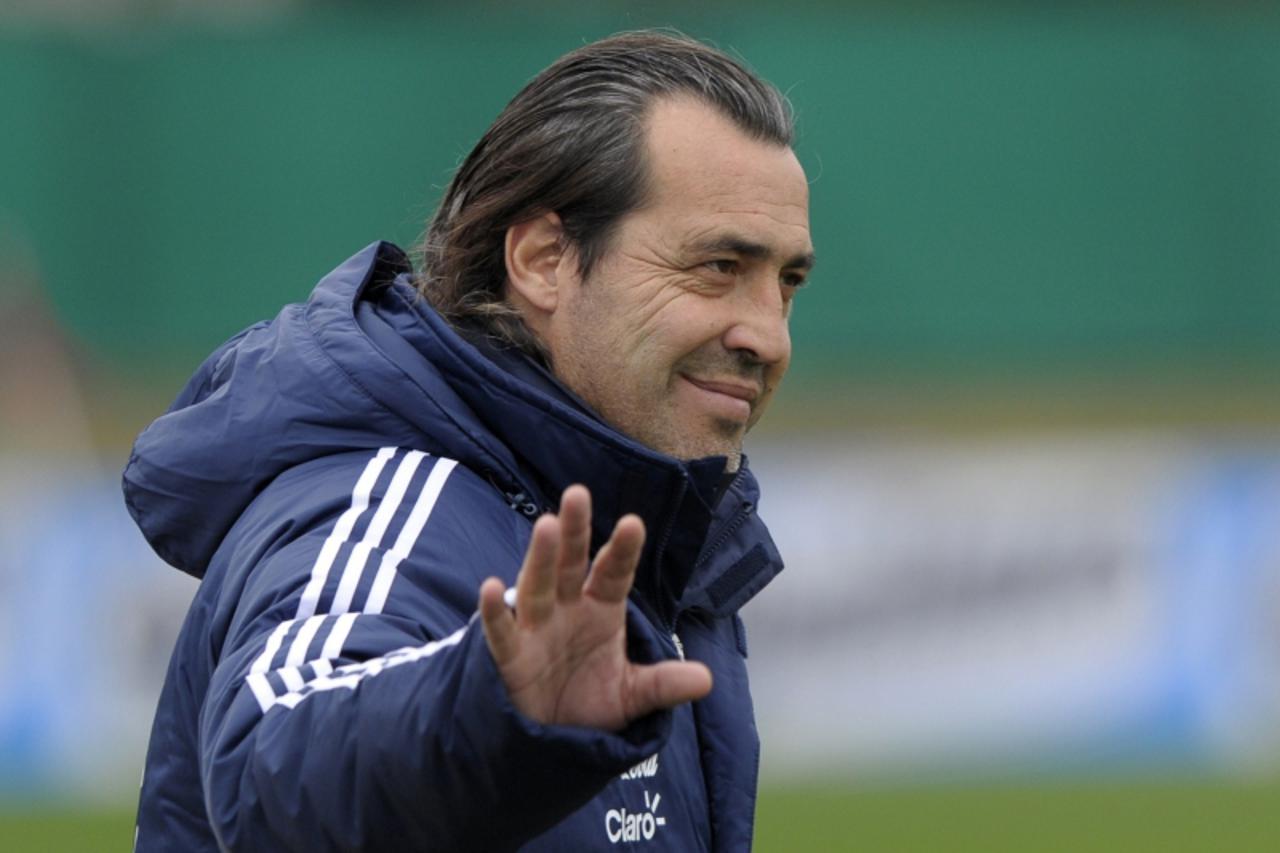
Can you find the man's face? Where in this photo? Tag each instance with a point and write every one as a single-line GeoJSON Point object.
{"type": "Point", "coordinates": [679, 338]}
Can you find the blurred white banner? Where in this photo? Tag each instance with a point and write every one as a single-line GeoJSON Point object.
{"type": "Point", "coordinates": [1076, 603]}
{"type": "Point", "coordinates": [1019, 603]}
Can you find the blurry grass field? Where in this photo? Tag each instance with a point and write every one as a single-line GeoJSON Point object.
{"type": "Point", "coordinates": [1166, 816]}
{"type": "Point", "coordinates": [1148, 815]}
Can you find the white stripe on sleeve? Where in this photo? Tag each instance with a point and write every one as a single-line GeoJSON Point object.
{"type": "Point", "coordinates": [337, 637]}
{"type": "Point", "coordinates": [373, 535]}
{"type": "Point", "coordinates": [339, 618]}
{"type": "Point", "coordinates": [408, 535]}
{"type": "Point", "coordinates": [262, 691]}
{"type": "Point", "coordinates": [292, 678]}
{"type": "Point", "coordinates": [341, 531]}
{"type": "Point", "coordinates": [302, 641]}
{"type": "Point", "coordinates": [263, 661]}
{"type": "Point", "coordinates": [348, 677]}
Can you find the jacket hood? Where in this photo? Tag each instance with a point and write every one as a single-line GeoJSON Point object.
{"type": "Point", "coordinates": [271, 397]}
{"type": "Point", "coordinates": [365, 363]}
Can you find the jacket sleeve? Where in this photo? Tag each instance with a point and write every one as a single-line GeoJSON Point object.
{"type": "Point", "coordinates": [355, 705]}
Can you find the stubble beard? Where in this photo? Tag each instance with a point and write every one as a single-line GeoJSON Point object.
{"type": "Point", "coordinates": [657, 425]}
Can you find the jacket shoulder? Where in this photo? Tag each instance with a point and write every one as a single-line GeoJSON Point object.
{"type": "Point", "coordinates": [389, 530]}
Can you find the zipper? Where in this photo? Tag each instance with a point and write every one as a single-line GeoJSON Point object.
{"type": "Point", "coordinates": [521, 503]}
{"type": "Point", "coordinates": [517, 498]}
{"type": "Point", "coordinates": [670, 624]}
{"type": "Point", "coordinates": [734, 522]}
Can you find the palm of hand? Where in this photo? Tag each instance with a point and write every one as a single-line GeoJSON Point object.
{"type": "Point", "coordinates": [572, 677]}
{"type": "Point", "coordinates": [562, 654]}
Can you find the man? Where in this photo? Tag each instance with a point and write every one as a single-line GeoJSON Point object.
{"type": "Point", "coordinates": [599, 317]}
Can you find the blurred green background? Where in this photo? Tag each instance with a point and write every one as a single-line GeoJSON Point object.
{"type": "Point", "coordinates": [1022, 193]}
{"type": "Point", "coordinates": [1155, 814]}
{"type": "Point", "coordinates": [1029, 216]}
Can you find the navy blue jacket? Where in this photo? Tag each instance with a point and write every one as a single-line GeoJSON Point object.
{"type": "Point", "coordinates": [342, 478]}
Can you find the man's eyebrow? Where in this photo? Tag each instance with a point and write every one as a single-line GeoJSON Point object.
{"type": "Point", "coordinates": [751, 249]}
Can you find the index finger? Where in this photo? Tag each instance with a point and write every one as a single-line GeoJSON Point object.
{"type": "Point", "coordinates": [535, 585]}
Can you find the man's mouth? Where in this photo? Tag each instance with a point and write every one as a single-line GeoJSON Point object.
{"type": "Point", "coordinates": [729, 398]}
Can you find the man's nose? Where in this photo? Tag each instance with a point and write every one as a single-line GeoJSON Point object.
{"type": "Point", "coordinates": [759, 325]}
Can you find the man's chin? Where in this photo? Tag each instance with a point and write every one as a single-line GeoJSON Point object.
{"type": "Point", "coordinates": [729, 449]}
{"type": "Point", "coordinates": [707, 438]}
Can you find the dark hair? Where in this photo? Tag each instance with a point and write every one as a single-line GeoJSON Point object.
{"type": "Point", "coordinates": [572, 142]}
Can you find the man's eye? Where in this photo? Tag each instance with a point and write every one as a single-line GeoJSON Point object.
{"type": "Point", "coordinates": [726, 266]}
{"type": "Point", "coordinates": [794, 281]}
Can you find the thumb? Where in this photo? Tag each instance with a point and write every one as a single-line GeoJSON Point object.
{"type": "Point", "coordinates": [658, 686]}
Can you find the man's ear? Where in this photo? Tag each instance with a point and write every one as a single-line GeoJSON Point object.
{"type": "Point", "coordinates": [535, 250]}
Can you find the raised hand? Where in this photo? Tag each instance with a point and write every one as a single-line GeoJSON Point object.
{"type": "Point", "coordinates": [562, 654]}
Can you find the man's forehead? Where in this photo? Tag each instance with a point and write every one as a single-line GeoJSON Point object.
{"type": "Point", "coordinates": [687, 138]}
{"type": "Point", "coordinates": [704, 168]}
